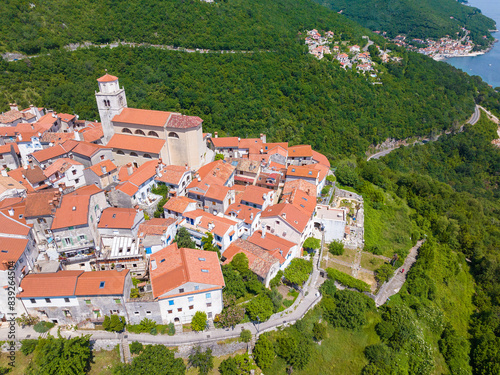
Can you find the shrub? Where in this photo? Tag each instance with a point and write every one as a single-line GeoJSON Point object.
{"type": "Point", "coordinates": [28, 346]}
{"type": "Point", "coordinates": [263, 353]}
{"type": "Point", "coordinates": [336, 248]}
{"type": "Point", "coordinates": [347, 280]}
{"type": "Point", "coordinates": [319, 331]}
{"type": "Point", "coordinates": [261, 306]}
{"type": "Point", "coordinates": [312, 243]}
{"type": "Point", "coordinates": [245, 335]}
{"type": "Point", "coordinates": [298, 271]}
{"type": "Point", "coordinates": [385, 330]}
{"type": "Point", "coordinates": [136, 347]}
{"type": "Point", "coordinates": [384, 273]}
{"type": "Point", "coordinates": [276, 280]}
{"type": "Point", "coordinates": [199, 321]}
{"type": "Point", "coordinates": [170, 329]}
{"type": "Point", "coordinates": [42, 327]}
{"type": "Point", "coordinates": [114, 323]}
{"type": "Point", "coordinates": [328, 288]}
{"type": "Point", "coordinates": [204, 361]}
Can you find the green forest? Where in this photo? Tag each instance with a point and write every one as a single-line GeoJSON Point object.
{"type": "Point", "coordinates": [288, 95]}
{"type": "Point", "coordinates": [417, 19]}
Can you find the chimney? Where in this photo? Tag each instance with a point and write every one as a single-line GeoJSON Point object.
{"type": "Point", "coordinates": [263, 138]}
{"type": "Point", "coordinates": [216, 135]}
{"type": "Point", "coordinates": [4, 173]}
{"type": "Point", "coordinates": [283, 215]}
{"type": "Point", "coordinates": [263, 231]}
{"type": "Point", "coordinates": [103, 169]}
{"type": "Point", "coordinates": [77, 136]}
{"type": "Point", "coordinates": [11, 211]}
{"type": "Point", "coordinates": [13, 107]}
{"type": "Point", "coordinates": [19, 137]}
{"type": "Point", "coordinates": [251, 215]}
{"type": "Point", "coordinates": [130, 170]}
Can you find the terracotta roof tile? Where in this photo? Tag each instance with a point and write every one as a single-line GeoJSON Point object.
{"type": "Point", "coordinates": [56, 138]}
{"type": "Point", "coordinates": [58, 284]}
{"type": "Point", "coordinates": [8, 148]}
{"type": "Point", "coordinates": [302, 171]}
{"type": "Point", "coordinates": [19, 212]}
{"type": "Point", "coordinates": [50, 153]}
{"type": "Point", "coordinates": [289, 213]}
{"type": "Point", "coordinates": [172, 267]}
{"type": "Point", "coordinates": [243, 212]}
{"type": "Point", "coordinates": [11, 250]}
{"type": "Point", "coordinates": [217, 192]}
{"type": "Point", "coordinates": [300, 151]}
{"type": "Point", "coordinates": [183, 122]}
{"type": "Point", "coordinates": [117, 217]}
{"type": "Point", "coordinates": [136, 143]}
{"type": "Point", "coordinates": [259, 260]}
{"type": "Point", "coordinates": [254, 194]}
{"type": "Point", "coordinates": [74, 208]}
{"type": "Point", "coordinates": [178, 204]}
{"type": "Point", "coordinates": [278, 247]}
{"type": "Point", "coordinates": [226, 142]}
{"type": "Point", "coordinates": [42, 203]}
{"type": "Point", "coordinates": [305, 186]}
{"type": "Point", "coordinates": [66, 117]}
{"type": "Point", "coordinates": [142, 117]}
{"type": "Point", "coordinates": [107, 78]}
{"type": "Point", "coordinates": [92, 132]}
{"type": "Point", "coordinates": [60, 165]}
{"type": "Point", "coordinates": [218, 169]}
{"type": "Point", "coordinates": [155, 226]}
{"type": "Point", "coordinates": [172, 174]}
{"type": "Point", "coordinates": [101, 283]}
{"type": "Point", "coordinates": [321, 159]}
{"type": "Point", "coordinates": [108, 167]}
{"type": "Point", "coordinates": [10, 226]}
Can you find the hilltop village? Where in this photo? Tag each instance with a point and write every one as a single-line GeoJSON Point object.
{"type": "Point", "coordinates": [91, 213]}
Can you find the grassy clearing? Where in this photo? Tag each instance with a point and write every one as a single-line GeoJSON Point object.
{"type": "Point", "coordinates": [348, 256]}
{"type": "Point", "coordinates": [389, 228]}
{"type": "Point", "coordinates": [339, 267]}
{"type": "Point", "coordinates": [217, 362]}
{"type": "Point", "coordinates": [22, 363]}
{"type": "Point", "coordinates": [103, 361]}
{"type": "Point", "coordinates": [371, 262]}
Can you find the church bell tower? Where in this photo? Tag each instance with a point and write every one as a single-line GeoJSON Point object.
{"type": "Point", "coordinates": [110, 102]}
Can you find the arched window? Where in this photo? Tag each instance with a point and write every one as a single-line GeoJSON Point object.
{"type": "Point", "coordinates": [153, 134]}
{"type": "Point", "coordinates": [120, 152]}
{"type": "Point", "coordinates": [133, 154]}
{"type": "Point", "coordinates": [126, 130]}
{"type": "Point", "coordinates": [140, 132]}
{"type": "Point", "coordinates": [147, 156]}
{"type": "Point", "coordinates": [173, 135]}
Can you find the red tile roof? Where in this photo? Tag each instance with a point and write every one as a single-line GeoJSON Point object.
{"type": "Point", "coordinates": [140, 175]}
{"type": "Point", "coordinates": [107, 78]}
{"type": "Point", "coordinates": [142, 117]}
{"type": "Point", "coordinates": [128, 188]}
{"type": "Point", "coordinates": [254, 194]}
{"type": "Point", "coordinates": [155, 226]}
{"type": "Point", "coordinates": [302, 171]}
{"type": "Point", "coordinates": [217, 192]}
{"type": "Point", "coordinates": [74, 208]}
{"type": "Point", "coordinates": [259, 260]}
{"type": "Point", "coordinates": [92, 132]}
{"type": "Point", "coordinates": [136, 143]}
{"type": "Point", "coordinates": [172, 174]}
{"type": "Point", "coordinates": [58, 284]}
{"type": "Point", "coordinates": [66, 117]}
{"type": "Point", "coordinates": [49, 153]}
{"type": "Point", "coordinates": [300, 151]}
{"type": "Point", "coordinates": [183, 122]}
{"type": "Point", "coordinates": [10, 226]}
{"type": "Point", "coordinates": [117, 217]}
{"type": "Point", "coordinates": [243, 212]}
{"type": "Point", "coordinates": [306, 186]}
{"type": "Point", "coordinates": [302, 201]}
{"type": "Point", "coordinates": [226, 142]}
{"type": "Point", "coordinates": [11, 250]}
{"type": "Point", "coordinates": [220, 227]}
{"type": "Point", "coordinates": [42, 203]}
{"type": "Point", "coordinates": [321, 159]}
{"type": "Point", "coordinates": [8, 148]}
{"type": "Point", "coordinates": [19, 210]}
{"type": "Point", "coordinates": [218, 169]}
{"type": "Point", "coordinates": [60, 165]}
{"type": "Point", "coordinates": [172, 267]}
{"type": "Point", "coordinates": [289, 213]}
{"type": "Point", "coordinates": [89, 283]}
{"type": "Point", "coordinates": [97, 168]}
{"type": "Point", "coordinates": [178, 204]}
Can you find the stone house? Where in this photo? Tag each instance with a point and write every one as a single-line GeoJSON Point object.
{"type": "Point", "coordinates": [101, 174]}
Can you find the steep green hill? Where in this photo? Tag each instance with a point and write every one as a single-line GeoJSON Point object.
{"type": "Point", "coordinates": [34, 25]}
{"type": "Point", "coordinates": [416, 18]}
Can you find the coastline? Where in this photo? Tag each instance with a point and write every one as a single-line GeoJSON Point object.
{"type": "Point", "coordinates": [441, 57]}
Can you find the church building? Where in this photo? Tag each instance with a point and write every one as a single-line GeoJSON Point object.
{"type": "Point", "coordinates": [139, 135]}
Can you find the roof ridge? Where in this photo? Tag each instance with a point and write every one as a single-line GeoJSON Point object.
{"type": "Point", "coordinates": [185, 266]}
{"type": "Point", "coordinates": [15, 221]}
{"type": "Point", "coordinates": [76, 283]}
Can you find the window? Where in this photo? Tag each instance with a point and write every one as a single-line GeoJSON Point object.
{"type": "Point", "coordinates": [201, 259]}
{"type": "Point", "coordinates": [82, 237]}
{"type": "Point", "coordinates": [181, 290]}
{"type": "Point", "coordinates": [87, 301]}
{"type": "Point", "coordinates": [137, 313]}
{"type": "Point", "coordinates": [139, 132]}
{"type": "Point", "coordinates": [66, 300]}
{"type": "Point", "coordinates": [47, 300]}
{"type": "Point", "coordinates": [191, 307]}
{"type": "Point", "coordinates": [118, 300]}
{"type": "Point", "coordinates": [196, 287]}
{"type": "Point", "coordinates": [68, 241]}
{"type": "Point", "coordinates": [32, 300]}
{"type": "Point", "coordinates": [73, 171]}
{"type": "Point", "coordinates": [147, 156]}
{"type": "Point", "coordinates": [204, 270]}
{"type": "Point", "coordinates": [209, 304]}
{"type": "Point", "coordinates": [171, 302]}
{"type": "Point", "coordinates": [173, 135]}
{"type": "Point", "coordinates": [213, 203]}
{"type": "Point", "coordinates": [126, 130]}
{"type": "Point", "coordinates": [208, 295]}
{"type": "Point", "coordinates": [133, 154]}
{"type": "Point", "coordinates": [120, 152]}
{"type": "Point", "coordinates": [148, 312]}
{"type": "Point", "coordinates": [179, 309]}
{"type": "Point", "coordinates": [40, 220]}
{"type": "Point", "coordinates": [153, 134]}
{"type": "Point", "coordinates": [101, 284]}
{"type": "Point", "coordinates": [102, 157]}
{"type": "Point", "coordinates": [170, 311]}
{"type": "Point", "coordinates": [190, 299]}
{"type": "Point", "coordinates": [66, 313]}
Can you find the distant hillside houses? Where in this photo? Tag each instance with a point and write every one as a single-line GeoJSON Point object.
{"type": "Point", "coordinates": [85, 207]}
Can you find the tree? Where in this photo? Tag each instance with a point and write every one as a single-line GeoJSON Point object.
{"type": "Point", "coordinates": [240, 364]}
{"type": "Point", "coordinates": [219, 157]}
{"type": "Point", "coordinates": [276, 280]}
{"type": "Point", "coordinates": [232, 313]}
{"type": "Point", "coordinates": [113, 323]}
{"type": "Point", "coordinates": [208, 243]}
{"type": "Point", "coordinates": [346, 173]}
{"type": "Point", "coordinates": [319, 331]}
{"type": "Point", "coordinates": [328, 288]}
{"type": "Point", "coordinates": [136, 347]}
{"type": "Point", "coordinates": [298, 271]}
{"type": "Point", "coordinates": [183, 239]}
{"type": "Point", "coordinates": [384, 273]}
{"type": "Point", "coordinates": [245, 335]}
{"type": "Point", "coordinates": [486, 356]}
{"type": "Point", "coordinates": [350, 309]}
{"type": "Point", "coordinates": [263, 352]}
{"type": "Point", "coordinates": [336, 248]}
{"type": "Point", "coordinates": [261, 306]}
{"type": "Point", "coordinates": [27, 320]}
{"type": "Point", "coordinates": [154, 360]}
{"type": "Point", "coordinates": [61, 356]}
{"type": "Point", "coordinates": [234, 282]}
{"type": "Point", "coordinates": [28, 346]}
{"type": "Point", "coordinates": [294, 348]}
{"type": "Point", "coordinates": [312, 243]}
{"type": "Point", "coordinates": [240, 263]}
{"type": "Point", "coordinates": [203, 361]}
{"type": "Point", "coordinates": [199, 321]}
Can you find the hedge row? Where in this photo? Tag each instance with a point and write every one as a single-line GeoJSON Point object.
{"type": "Point", "coordinates": [347, 280]}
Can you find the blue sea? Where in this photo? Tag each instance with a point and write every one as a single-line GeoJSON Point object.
{"type": "Point", "coordinates": [486, 66]}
